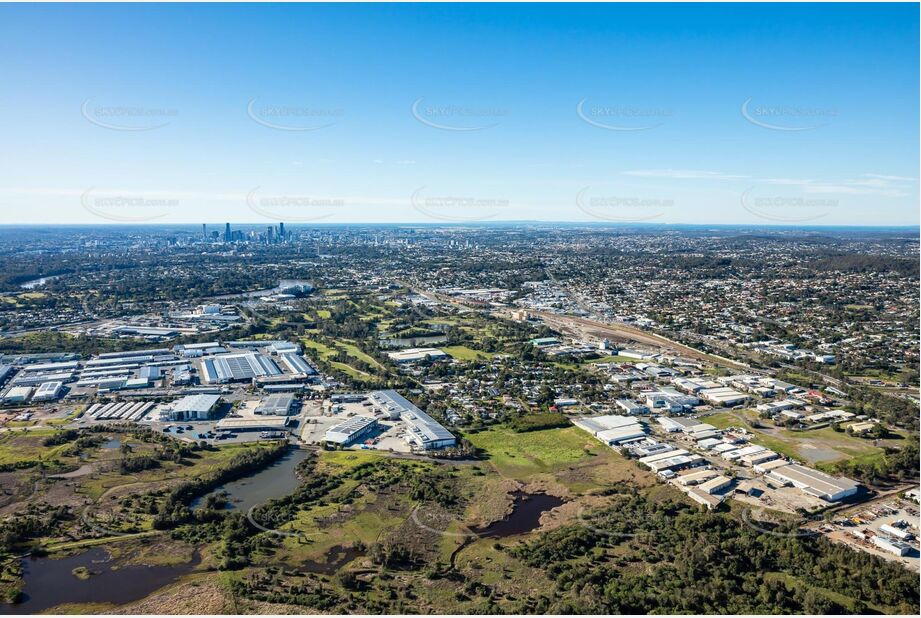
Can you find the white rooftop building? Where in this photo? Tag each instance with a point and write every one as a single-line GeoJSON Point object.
{"type": "Point", "coordinates": [892, 546]}
{"type": "Point", "coordinates": [414, 355]}
{"type": "Point", "coordinates": [350, 430]}
{"type": "Point", "coordinates": [237, 367]}
{"type": "Point", "coordinates": [423, 431]}
{"type": "Point", "coordinates": [611, 429]}
{"type": "Point", "coordinates": [815, 483]}
{"type": "Point", "coordinates": [191, 408]}
{"type": "Point", "coordinates": [48, 391]}
{"type": "Point", "coordinates": [18, 394]}
{"type": "Point", "coordinates": [723, 396]}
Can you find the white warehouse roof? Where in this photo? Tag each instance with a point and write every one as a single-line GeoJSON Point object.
{"type": "Point", "coordinates": [814, 482]}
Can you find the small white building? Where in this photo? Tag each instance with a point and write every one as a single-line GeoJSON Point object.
{"type": "Point", "coordinates": [891, 545]}
{"type": "Point", "coordinates": [669, 424]}
{"type": "Point", "coordinates": [635, 354]}
{"type": "Point", "coordinates": [701, 497]}
{"type": "Point", "coordinates": [631, 407]}
{"type": "Point", "coordinates": [723, 396]}
{"type": "Point", "coordinates": [767, 466]}
{"type": "Point", "coordinates": [48, 391]}
{"type": "Point", "coordinates": [902, 535]}
{"type": "Point", "coordinates": [414, 355]}
{"type": "Point", "coordinates": [697, 477]}
{"type": "Point", "coordinates": [759, 458]}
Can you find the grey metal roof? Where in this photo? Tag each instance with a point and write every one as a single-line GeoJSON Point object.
{"type": "Point", "coordinates": [423, 425]}
{"type": "Point", "coordinates": [196, 403]}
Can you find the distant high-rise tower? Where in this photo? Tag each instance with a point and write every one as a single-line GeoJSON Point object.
{"type": "Point", "coordinates": [269, 235]}
{"type": "Point", "coordinates": [227, 236]}
{"type": "Point", "coordinates": [204, 232]}
{"type": "Point", "coordinates": [281, 232]}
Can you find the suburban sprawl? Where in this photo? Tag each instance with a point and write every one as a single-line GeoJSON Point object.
{"type": "Point", "coordinates": [459, 419]}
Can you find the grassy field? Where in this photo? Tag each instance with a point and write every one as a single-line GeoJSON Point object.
{"type": "Point", "coordinates": [16, 446]}
{"type": "Point", "coordinates": [340, 461]}
{"type": "Point", "coordinates": [76, 412]}
{"type": "Point", "coordinates": [566, 458]}
{"type": "Point", "coordinates": [325, 352]}
{"type": "Point", "coordinates": [14, 299]}
{"type": "Point", "coordinates": [886, 376]}
{"type": "Point", "coordinates": [520, 455]}
{"type": "Point", "coordinates": [817, 446]}
{"type": "Point", "coordinates": [443, 321]}
{"type": "Point", "coordinates": [460, 352]}
{"type": "Point", "coordinates": [796, 582]}
{"type": "Point", "coordinates": [611, 359]}
{"type": "Point", "coordinates": [352, 350]}
{"type": "Point", "coordinates": [321, 348]}
{"type": "Point", "coordinates": [72, 545]}
{"type": "Point", "coordinates": [97, 484]}
{"type": "Point", "coordinates": [343, 520]}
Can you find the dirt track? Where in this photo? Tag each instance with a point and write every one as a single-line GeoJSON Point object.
{"type": "Point", "coordinates": [628, 333]}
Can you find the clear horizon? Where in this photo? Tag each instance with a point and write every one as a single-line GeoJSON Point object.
{"type": "Point", "coordinates": [780, 115]}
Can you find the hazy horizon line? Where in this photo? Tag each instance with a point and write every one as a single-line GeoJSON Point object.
{"type": "Point", "coordinates": [459, 224]}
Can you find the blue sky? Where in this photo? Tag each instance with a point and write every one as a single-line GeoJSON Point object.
{"type": "Point", "coordinates": [756, 113]}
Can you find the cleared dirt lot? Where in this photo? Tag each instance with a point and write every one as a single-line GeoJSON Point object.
{"type": "Point", "coordinates": [318, 419]}
{"type": "Point", "coordinates": [868, 519]}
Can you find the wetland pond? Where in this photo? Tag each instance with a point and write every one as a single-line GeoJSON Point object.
{"type": "Point", "coordinates": [525, 516]}
{"type": "Point", "coordinates": [274, 481]}
{"type": "Point", "coordinates": [49, 581]}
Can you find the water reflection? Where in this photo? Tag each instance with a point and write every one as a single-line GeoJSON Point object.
{"type": "Point", "coordinates": [89, 577]}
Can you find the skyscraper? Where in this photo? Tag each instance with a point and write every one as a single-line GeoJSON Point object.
{"type": "Point", "coordinates": [281, 232]}
{"type": "Point", "coordinates": [227, 236]}
{"type": "Point", "coordinates": [204, 232]}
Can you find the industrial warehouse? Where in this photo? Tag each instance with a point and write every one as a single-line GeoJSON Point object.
{"type": "Point", "coordinates": [424, 431]}
{"type": "Point", "coordinates": [415, 355]}
{"type": "Point", "coordinates": [688, 454]}
{"type": "Point", "coordinates": [420, 431]}
{"type": "Point", "coordinates": [276, 404]}
{"type": "Point", "coordinates": [612, 430]}
{"type": "Point", "coordinates": [276, 365]}
{"type": "Point", "coordinates": [815, 483]}
{"type": "Point", "coordinates": [350, 431]}
{"type": "Point", "coordinates": [192, 407]}
{"type": "Point", "coordinates": [237, 367]}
